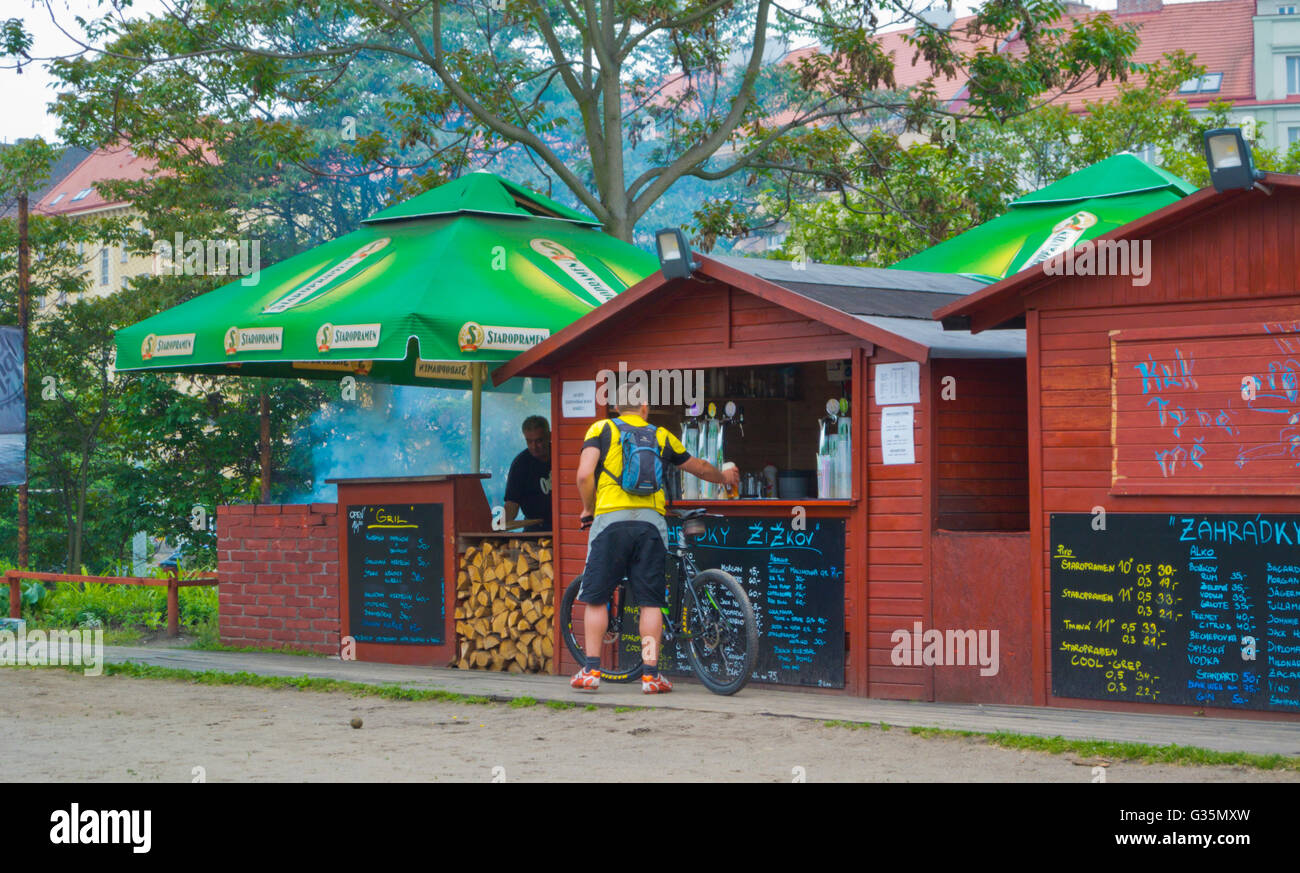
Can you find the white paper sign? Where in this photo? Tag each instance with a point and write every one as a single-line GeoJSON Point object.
{"type": "Point", "coordinates": [898, 383]}
{"type": "Point", "coordinates": [897, 445]}
{"type": "Point", "coordinates": [578, 399]}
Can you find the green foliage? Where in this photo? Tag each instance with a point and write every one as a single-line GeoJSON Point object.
{"type": "Point", "coordinates": [68, 604]}
{"type": "Point", "coordinates": [890, 199]}
{"type": "Point", "coordinates": [444, 87]}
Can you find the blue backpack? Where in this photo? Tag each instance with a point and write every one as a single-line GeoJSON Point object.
{"type": "Point", "coordinates": [643, 468]}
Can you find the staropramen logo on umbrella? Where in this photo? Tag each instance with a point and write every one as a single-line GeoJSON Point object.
{"type": "Point", "coordinates": [347, 336]}
{"type": "Point", "coordinates": [254, 339]}
{"type": "Point", "coordinates": [1066, 233]}
{"type": "Point", "coordinates": [474, 336]}
{"type": "Point", "coordinates": [597, 289]}
{"type": "Point", "coordinates": [320, 284]}
{"type": "Point", "coordinates": [167, 345]}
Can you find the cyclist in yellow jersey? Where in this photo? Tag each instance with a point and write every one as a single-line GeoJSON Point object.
{"type": "Point", "coordinates": [629, 537]}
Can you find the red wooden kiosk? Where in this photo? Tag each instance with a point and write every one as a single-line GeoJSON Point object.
{"type": "Point", "coordinates": [738, 316]}
{"type": "Point", "coordinates": [1149, 397]}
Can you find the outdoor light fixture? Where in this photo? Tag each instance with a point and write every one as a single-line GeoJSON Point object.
{"type": "Point", "coordinates": [1231, 165]}
{"type": "Point", "coordinates": [674, 253]}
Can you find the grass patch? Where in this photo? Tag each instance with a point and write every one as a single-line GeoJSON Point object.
{"type": "Point", "coordinates": [627, 708]}
{"type": "Point", "coordinates": [207, 646]}
{"type": "Point", "coordinates": [1115, 751]}
{"type": "Point", "coordinates": [591, 707]}
{"type": "Point", "coordinates": [299, 683]}
{"type": "Point", "coordinates": [561, 704]}
{"type": "Point", "coordinates": [1140, 752]}
{"type": "Point", "coordinates": [123, 636]}
{"type": "Point", "coordinates": [522, 702]}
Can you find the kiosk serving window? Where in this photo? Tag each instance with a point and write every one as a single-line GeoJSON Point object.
{"type": "Point", "coordinates": [775, 423]}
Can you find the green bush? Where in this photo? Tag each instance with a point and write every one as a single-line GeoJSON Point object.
{"type": "Point", "coordinates": [69, 604]}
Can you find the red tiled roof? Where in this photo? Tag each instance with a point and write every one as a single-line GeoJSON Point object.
{"type": "Point", "coordinates": [115, 162]}
{"type": "Point", "coordinates": [1220, 33]}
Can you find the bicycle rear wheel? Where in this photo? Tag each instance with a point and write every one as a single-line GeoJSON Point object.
{"type": "Point", "coordinates": [723, 636]}
{"type": "Point", "coordinates": [628, 666]}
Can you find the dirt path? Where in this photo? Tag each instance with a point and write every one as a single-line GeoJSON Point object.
{"type": "Point", "coordinates": [81, 728]}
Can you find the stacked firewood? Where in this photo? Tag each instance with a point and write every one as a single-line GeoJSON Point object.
{"type": "Point", "coordinates": [505, 603]}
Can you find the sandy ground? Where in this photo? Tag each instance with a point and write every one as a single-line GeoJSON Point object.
{"type": "Point", "coordinates": [78, 728]}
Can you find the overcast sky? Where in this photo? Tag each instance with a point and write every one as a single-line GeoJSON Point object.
{"type": "Point", "coordinates": [27, 95]}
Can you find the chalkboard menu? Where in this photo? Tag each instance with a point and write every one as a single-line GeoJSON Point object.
{"type": "Point", "coordinates": [395, 574]}
{"type": "Point", "coordinates": [795, 582]}
{"type": "Point", "coordinates": [1177, 608]}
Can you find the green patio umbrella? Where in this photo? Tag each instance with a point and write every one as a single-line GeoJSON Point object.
{"type": "Point", "coordinates": [1083, 205]}
{"type": "Point", "coordinates": [429, 292]}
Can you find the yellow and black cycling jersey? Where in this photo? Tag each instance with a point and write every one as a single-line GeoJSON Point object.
{"type": "Point", "coordinates": [610, 495]}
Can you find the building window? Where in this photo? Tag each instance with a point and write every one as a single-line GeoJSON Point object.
{"type": "Point", "coordinates": [1293, 74]}
{"type": "Point", "coordinates": [1286, 10]}
{"type": "Point", "coordinates": [1292, 135]}
{"type": "Point", "coordinates": [57, 199]}
{"type": "Point", "coordinates": [125, 256]}
{"type": "Point", "coordinates": [1209, 83]}
{"type": "Point", "coordinates": [82, 194]}
{"type": "Point", "coordinates": [103, 266]}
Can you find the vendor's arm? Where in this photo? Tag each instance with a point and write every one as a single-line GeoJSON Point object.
{"type": "Point", "coordinates": [512, 509]}
{"type": "Point", "coordinates": [587, 463]}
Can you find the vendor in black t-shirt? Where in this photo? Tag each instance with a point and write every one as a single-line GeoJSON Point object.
{"type": "Point", "coordinates": [528, 486]}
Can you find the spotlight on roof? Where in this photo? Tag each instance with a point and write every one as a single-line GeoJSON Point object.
{"type": "Point", "coordinates": [674, 253]}
{"type": "Point", "coordinates": [1229, 159]}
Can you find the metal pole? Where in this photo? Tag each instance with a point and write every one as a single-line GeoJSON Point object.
{"type": "Point", "coordinates": [173, 602]}
{"type": "Point", "coordinates": [476, 413]}
{"type": "Point", "coordinates": [264, 444]}
{"type": "Point", "coordinates": [24, 268]}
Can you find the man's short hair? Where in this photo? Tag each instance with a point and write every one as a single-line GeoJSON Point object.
{"type": "Point", "coordinates": [535, 422]}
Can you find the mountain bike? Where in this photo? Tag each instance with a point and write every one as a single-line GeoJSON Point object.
{"type": "Point", "coordinates": [708, 615]}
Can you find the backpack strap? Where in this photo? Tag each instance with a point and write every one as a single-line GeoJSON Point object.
{"type": "Point", "coordinates": [608, 438]}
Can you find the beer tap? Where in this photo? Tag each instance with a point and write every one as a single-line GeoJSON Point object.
{"type": "Point", "coordinates": [691, 433]}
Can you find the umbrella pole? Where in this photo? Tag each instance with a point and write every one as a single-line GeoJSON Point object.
{"type": "Point", "coordinates": [476, 413]}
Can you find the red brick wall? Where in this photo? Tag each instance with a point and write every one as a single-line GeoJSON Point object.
{"type": "Point", "coordinates": [278, 576]}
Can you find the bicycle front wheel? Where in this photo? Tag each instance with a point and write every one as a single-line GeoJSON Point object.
{"type": "Point", "coordinates": [628, 664]}
{"type": "Point", "coordinates": [723, 636]}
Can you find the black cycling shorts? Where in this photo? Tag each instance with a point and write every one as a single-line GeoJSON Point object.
{"type": "Point", "coordinates": [626, 548]}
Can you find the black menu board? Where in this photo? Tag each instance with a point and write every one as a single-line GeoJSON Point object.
{"type": "Point", "coordinates": [794, 579]}
{"type": "Point", "coordinates": [395, 574]}
{"type": "Point", "coordinates": [1177, 608]}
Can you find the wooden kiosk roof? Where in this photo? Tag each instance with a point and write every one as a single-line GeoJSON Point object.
{"type": "Point", "coordinates": [889, 308]}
